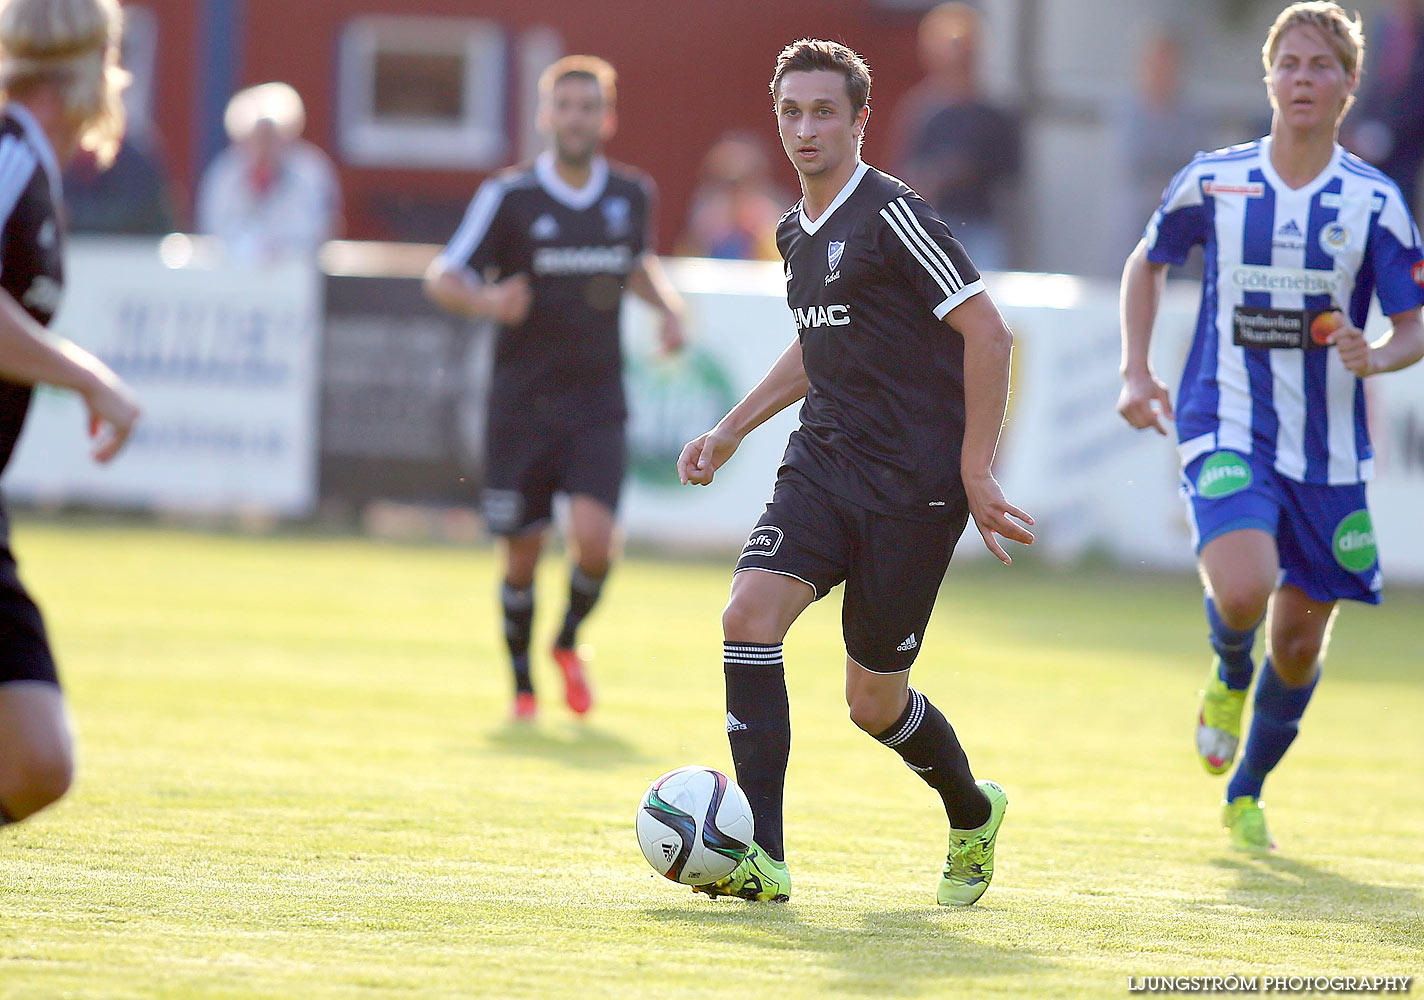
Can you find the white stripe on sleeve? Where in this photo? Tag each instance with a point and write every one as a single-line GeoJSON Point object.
{"type": "Point", "coordinates": [474, 227]}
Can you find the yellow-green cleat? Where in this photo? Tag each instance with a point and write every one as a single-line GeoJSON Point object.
{"type": "Point", "coordinates": [1245, 820]}
{"type": "Point", "coordinates": [1219, 724]}
{"type": "Point", "coordinates": [758, 877]}
{"type": "Point", "coordinates": [970, 865]}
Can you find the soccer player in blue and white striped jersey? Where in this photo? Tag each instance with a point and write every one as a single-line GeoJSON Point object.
{"type": "Point", "coordinates": [1298, 235]}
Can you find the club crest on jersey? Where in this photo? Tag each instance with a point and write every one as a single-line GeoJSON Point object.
{"type": "Point", "coordinates": [546, 227]}
{"type": "Point", "coordinates": [1334, 237]}
{"type": "Point", "coordinates": [616, 215]}
{"type": "Point", "coordinates": [834, 252]}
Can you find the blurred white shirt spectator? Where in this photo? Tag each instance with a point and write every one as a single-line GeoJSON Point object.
{"type": "Point", "coordinates": [270, 194]}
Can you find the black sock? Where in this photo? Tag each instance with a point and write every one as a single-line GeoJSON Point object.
{"type": "Point", "coordinates": [759, 730]}
{"type": "Point", "coordinates": [518, 619]}
{"type": "Point", "coordinates": [583, 595]}
{"type": "Point", "coordinates": [923, 737]}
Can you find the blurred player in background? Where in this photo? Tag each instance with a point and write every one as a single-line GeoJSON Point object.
{"type": "Point", "coordinates": [903, 362]}
{"type": "Point", "coordinates": [545, 250]}
{"type": "Point", "coordinates": [60, 86]}
{"type": "Point", "coordinates": [1275, 452]}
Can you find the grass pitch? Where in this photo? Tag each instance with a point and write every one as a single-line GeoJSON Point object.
{"type": "Point", "coordinates": [297, 781]}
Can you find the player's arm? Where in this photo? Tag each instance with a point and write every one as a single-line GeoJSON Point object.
{"type": "Point", "coordinates": [650, 283]}
{"type": "Point", "coordinates": [30, 354]}
{"type": "Point", "coordinates": [1401, 347]}
{"type": "Point", "coordinates": [988, 348]}
{"type": "Point", "coordinates": [460, 291]}
{"type": "Point", "coordinates": [783, 384]}
{"type": "Point", "coordinates": [1144, 399]}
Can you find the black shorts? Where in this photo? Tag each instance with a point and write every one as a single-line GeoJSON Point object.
{"type": "Point", "coordinates": [892, 567]}
{"type": "Point", "coordinates": [24, 647]}
{"type": "Point", "coordinates": [526, 464]}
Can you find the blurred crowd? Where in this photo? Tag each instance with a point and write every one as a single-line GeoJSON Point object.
{"type": "Point", "coordinates": [272, 193]}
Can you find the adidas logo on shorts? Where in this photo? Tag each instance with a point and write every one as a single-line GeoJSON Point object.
{"type": "Point", "coordinates": [910, 643]}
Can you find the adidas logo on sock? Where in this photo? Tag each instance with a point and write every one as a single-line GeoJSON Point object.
{"type": "Point", "coordinates": [910, 643]}
{"type": "Point", "coordinates": [734, 724]}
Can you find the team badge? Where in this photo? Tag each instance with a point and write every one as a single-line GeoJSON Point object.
{"type": "Point", "coordinates": [834, 253]}
{"type": "Point", "coordinates": [546, 227]}
{"type": "Point", "coordinates": [1334, 237]}
{"type": "Point", "coordinates": [616, 215]}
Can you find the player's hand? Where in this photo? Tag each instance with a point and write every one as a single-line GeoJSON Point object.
{"type": "Point", "coordinates": [993, 515]}
{"type": "Point", "coordinates": [113, 409]}
{"type": "Point", "coordinates": [702, 457]}
{"type": "Point", "coordinates": [1144, 402]}
{"type": "Point", "coordinates": [510, 300]}
{"type": "Point", "coordinates": [1355, 351]}
{"type": "Point", "coordinates": [672, 332]}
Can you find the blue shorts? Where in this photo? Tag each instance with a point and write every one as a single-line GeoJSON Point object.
{"type": "Point", "coordinates": [1324, 536]}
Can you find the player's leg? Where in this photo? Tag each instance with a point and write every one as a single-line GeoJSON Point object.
{"type": "Point", "coordinates": [36, 749]}
{"type": "Point", "coordinates": [595, 460]}
{"type": "Point", "coordinates": [520, 553]}
{"type": "Point", "coordinates": [1234, 509]}
{"type": "Point", "coordinates": [1327, 552]}
{"type": "Point", "coordinates": [795, 555]}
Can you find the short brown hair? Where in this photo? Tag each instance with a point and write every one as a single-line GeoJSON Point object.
{"type": "Point", "coordinates": [807, 55]}
{"type": "Point", "coordinates": [1344, 36]}
{"type": "Point", "coordinates": [600, 71]}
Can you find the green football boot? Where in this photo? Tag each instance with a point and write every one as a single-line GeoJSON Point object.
{"type": "Point", "coordinates": [1245, 819]}
{"type": "Point", "coordinates": [758, 877]}
{"type": "Point", "coordinates": [970, 865]}
{"type": "Point", "coordinates": [1219, 723]}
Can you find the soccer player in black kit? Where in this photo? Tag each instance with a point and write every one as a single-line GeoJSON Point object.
{"type": "Point", "coordinates": [903, 362]}
{"type": "Point", "coordinates": [59, 89]}
{"type": "Point", "coordinates": [546, 250]}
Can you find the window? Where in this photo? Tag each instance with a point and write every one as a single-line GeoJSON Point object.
{"type": "Point", "coordinates": [422, 92]}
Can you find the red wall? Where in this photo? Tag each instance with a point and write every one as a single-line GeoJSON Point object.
{"type": "Point", "coordinates": [688, 71]}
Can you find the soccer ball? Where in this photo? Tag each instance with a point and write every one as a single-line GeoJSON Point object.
{"type": "Point", "coordinates": [694, 825]}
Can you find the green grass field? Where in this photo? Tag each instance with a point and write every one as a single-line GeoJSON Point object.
{"type": "Point", "coordinates": [296, 781]}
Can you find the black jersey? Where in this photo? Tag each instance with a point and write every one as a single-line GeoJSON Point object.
{"type": "Point", "coordinates": [869, 284]}
{"type": "Point", "coordinates": [31, 243]}
{"type": "Point", "coordinates": [563, 363]}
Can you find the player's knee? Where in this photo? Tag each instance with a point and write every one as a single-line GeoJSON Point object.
{"type": "Point", "coordinates": [37, 779]}
{"type": "Point", "coordinates": [1294, 657]}
{"type": "Point", "coordinates": [1241, 605]}
{"type": "Point", "coordinates": [871, 714]}
{"type": "Point", "coordinates": [745, 620]}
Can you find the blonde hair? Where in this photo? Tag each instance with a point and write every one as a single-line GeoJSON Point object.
{"type": "Point", "coordinates": [600, 71]}
{"type": "Point", "coordinates": [73, 45]}
{"type": "Point", "coordinates": [278, 103]}
{"type": "Point", "coordinates": [1345, 37]}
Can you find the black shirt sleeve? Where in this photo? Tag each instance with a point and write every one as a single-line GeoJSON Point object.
{"type": "Point", "coordinates": [917, 245]}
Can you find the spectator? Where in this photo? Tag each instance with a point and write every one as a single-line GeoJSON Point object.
{"type": "Point", "coordinates": [958, 150]}
{"type": "Point", "coordinates": [131, 197]}
{"type": "Point", "coordinates": [1154, 134]}
{"type": "Point", "coordinates": [735, 208]}
{"type": "Point", "coordinates": [269, 194]}
{"type": "Point", "coordinates": [1386, 126]}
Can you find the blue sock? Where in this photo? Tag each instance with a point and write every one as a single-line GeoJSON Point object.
{"type": "Point", "coordinates": [1274, 723]}
{"type": "Point", "coordinates": [1233, 647]}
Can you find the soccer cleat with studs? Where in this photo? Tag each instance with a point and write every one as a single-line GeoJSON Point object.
{"type": "Point", "coordinates": [1245, 820]}
{"type": "Point", "coordinates": [758, 878]}
{"type": "Point", "coordinates": [1219, 724]}
{"type": "Point", "coordinates": [576, 690]}
{"type": "Point", "coordinates": [969, 867]}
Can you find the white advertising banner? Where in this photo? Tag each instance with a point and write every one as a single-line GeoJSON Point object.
{"type": "Point", "coordinates": [1093, 484]}
{"type": "Point", "coordinates": [224, 362]}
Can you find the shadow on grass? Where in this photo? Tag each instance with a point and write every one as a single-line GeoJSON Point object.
{"type": "Point", "coordinates": [575, 744]}
{"type": "Point", "coordinates": [896, 952]}
{"type": "Point", "coordinates": [1291, 889]}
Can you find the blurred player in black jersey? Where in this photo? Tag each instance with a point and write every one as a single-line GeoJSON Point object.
{"type": "Point", "coordinates": [59, 91]}
{"type": "Point", "coordinates": [903, 362]}
{"type": "Point", "coordinates": [546, 250]}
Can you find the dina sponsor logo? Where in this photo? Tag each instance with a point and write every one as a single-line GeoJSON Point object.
{"type": "Point", "coordinates": [814, 317]}
{"type": "Point", "coordinates": [1223, 474]}
{"type": "Point", "coordinates": [1354, 542]}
